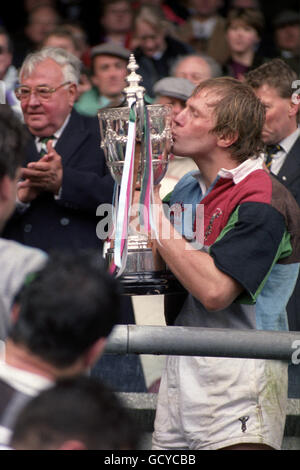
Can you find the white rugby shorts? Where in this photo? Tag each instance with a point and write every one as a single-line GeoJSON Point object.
{"type": "Point", "coordinates": [210, 403]}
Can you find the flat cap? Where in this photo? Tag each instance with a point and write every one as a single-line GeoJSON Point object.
{"type": "Point", "coordinates": [286, 17]}
{"type": "Point", "coordinates": [108, 48]}
{"type": "Point", "coordinates": [174, 87]}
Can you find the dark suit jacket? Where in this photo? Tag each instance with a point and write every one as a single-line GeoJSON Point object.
{"type": "Point", "coordinates": [289, 176]}
{"type": "Point", "coordinates": [70, 222]}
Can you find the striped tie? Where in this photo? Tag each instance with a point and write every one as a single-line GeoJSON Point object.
{"type": "Point", "coordinates": [271, 151]}
{"type": "Point", "coordinates": [43, 141]}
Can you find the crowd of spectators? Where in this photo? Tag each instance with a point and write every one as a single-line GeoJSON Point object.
{"type": "Point", "coordinates": [236, 34]}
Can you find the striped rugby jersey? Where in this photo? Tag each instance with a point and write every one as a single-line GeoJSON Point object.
{"type": "Point", "coordinates": [251, 228]}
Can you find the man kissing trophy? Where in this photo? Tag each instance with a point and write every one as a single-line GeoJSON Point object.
{"type": "Point", "coordinates": [136, 140]}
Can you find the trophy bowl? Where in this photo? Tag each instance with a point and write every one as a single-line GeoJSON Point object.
{"type": "Point", "coordinates": [146, 272]}
{"type": "Point", "coordinates": [114, 132]}
{"type": "Point", "coordinates": [142, 271]}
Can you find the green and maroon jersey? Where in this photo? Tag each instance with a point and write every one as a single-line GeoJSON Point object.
{"type": "Point", "coordinates": [251, 228]}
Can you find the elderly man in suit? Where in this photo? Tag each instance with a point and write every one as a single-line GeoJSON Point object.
{"type": "Point", "coordinates": [64, 176]}
{"type": "Point", "coordinates": [275, 83]}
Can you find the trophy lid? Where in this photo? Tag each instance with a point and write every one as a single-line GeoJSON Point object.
{"type": "Point", "coordinates": [134, 91]}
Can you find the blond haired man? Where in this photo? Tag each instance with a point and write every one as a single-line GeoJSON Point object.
{"type": "Point", "coordinates": [217, 403]}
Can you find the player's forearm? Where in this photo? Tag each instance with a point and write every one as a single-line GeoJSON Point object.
{"type": "Point", "coordinates": [196, 270]}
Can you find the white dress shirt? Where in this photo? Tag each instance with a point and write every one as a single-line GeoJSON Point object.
{"type": "Point", "coordinates": [286, 144]}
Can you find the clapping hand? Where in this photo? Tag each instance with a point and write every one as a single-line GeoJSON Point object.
{"type": "Point", "coordinates": [43, 175]}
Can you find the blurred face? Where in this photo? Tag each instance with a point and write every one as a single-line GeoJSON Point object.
{"type": "Point", "coordinates": [206, 8]}
{"type": "Point", "coordinates": [193, 69]}
{"type": "Point", "coordinates": [43, 21]}
{"type": "Point", "coordinates": [8, 194]}
{"type": "Point", "coordinates": [149, 40]}
{"type": "Point", "coordinates": [5, 56]}
{"type": "Point", "coordinates": [192, 126]}
{"type": "Point", "coordinates": [117, 18]}
{"type": "Point", "coordinates": [177, 104]}
{"type": "Point", "coordinates": [44, 117]}
{"type": "Point", "coordinates": [63, 42]}
{"type": "Point", "coordinates": [241, 37]}
{"type": "Point", "coordinates": [288, 37]}
{"type": "Point", "coordinates": [109, 75]}
{"type": "Point", "coordinates": [280, 115]}
{"type": "Point", "coordinates": [244, 4]}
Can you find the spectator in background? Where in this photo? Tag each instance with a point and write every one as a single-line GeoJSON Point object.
{"type": "Point", "coordinates": [60, 321]}
{"type": "Point", "coordinates": [8, 72]}
{"type": "Point", "coordinates": [64, 37]}
{"type": "Point", "coordinates": [204, 30]}
{"type": "Point", "coordinates": [204, 402]}
{"type": "Point", "coordinates": [174, 91]}
{"type": "Point", "coordinates": [273, 83]}
{"type": "Point", "coordinates": [287, 37]}
{"type": "Point", "coordinates": [81, 37]}
{"type": "Point", "coordinates": [61, 189]}
{"type": "Point", "coordinates": [276, 84]}
{"type": "Point", "coordinates": [109, 71]}
{"type": "Point", "coordinates": [244, 28]}
{"type": "Point", "coordinates": [29, 5]}
{"type": "Point", "coordinates": [75, 414]}
{"type": "Point", "coordinates": [175, 14]}
{"type": "Point", "coordinates": [41, 20]}
{"type": "Point", "coordinates": [157, 50]}
{"type": "Point", "coordinates": [196, 67]}
{"type": "Point", "coordinates": [116, 22]}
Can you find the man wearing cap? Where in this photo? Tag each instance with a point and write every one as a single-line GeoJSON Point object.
{"type": "Point", "coordinates": [174, 91]}
{"type": "Point", "coordinates": [196, 68]}
{"type": "Point", "coordinates": [287, 37]}
{"type": "Point", "coordinates": [109, 69]}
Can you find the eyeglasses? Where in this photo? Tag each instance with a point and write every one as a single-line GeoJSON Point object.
{"type": "Point", "coordinates": [23, 92]}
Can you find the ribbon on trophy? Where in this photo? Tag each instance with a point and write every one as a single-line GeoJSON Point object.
{"type": "Point", "coordinates": [123, 194]}
{"type": "Point", "coordinates": [122, 203]}
{"type": "Point", "coordinates": [147, 197]}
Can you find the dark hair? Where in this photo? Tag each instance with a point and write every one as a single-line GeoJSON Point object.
{"type": "Point", "coordinates": [13, 138]}
{"type": "Point", "coordinates": [63, 31]}
{"type": "Point", "coordinates": [277, 74]}
{"type": "Point", "coordinates": [80, 409]}
{"type": "Point", "coordinates": [153, 16]}
{"type": "Point", "coordinates": [105, 4]}
{"type": "Point", "coordinates": [66, 307]}
{"type": "Point", "coordinates": [4, 32]}
{"type": "Point", "coordinates": [238, 112]}
{"type": "Point", "coordinates": [249, 16]}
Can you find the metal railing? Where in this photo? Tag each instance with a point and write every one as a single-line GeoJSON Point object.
{"type": "Point", "coordinates": [195, 341]}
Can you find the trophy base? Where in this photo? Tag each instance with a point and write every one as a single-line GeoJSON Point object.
{"type": "Point", "coordinates": [150, 283]}
{"type": "Point", "coordinates": [146, 274]}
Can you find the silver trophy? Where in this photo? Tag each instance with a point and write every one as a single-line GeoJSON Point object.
{"type": "Point", "coordinates": [145, 271]}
